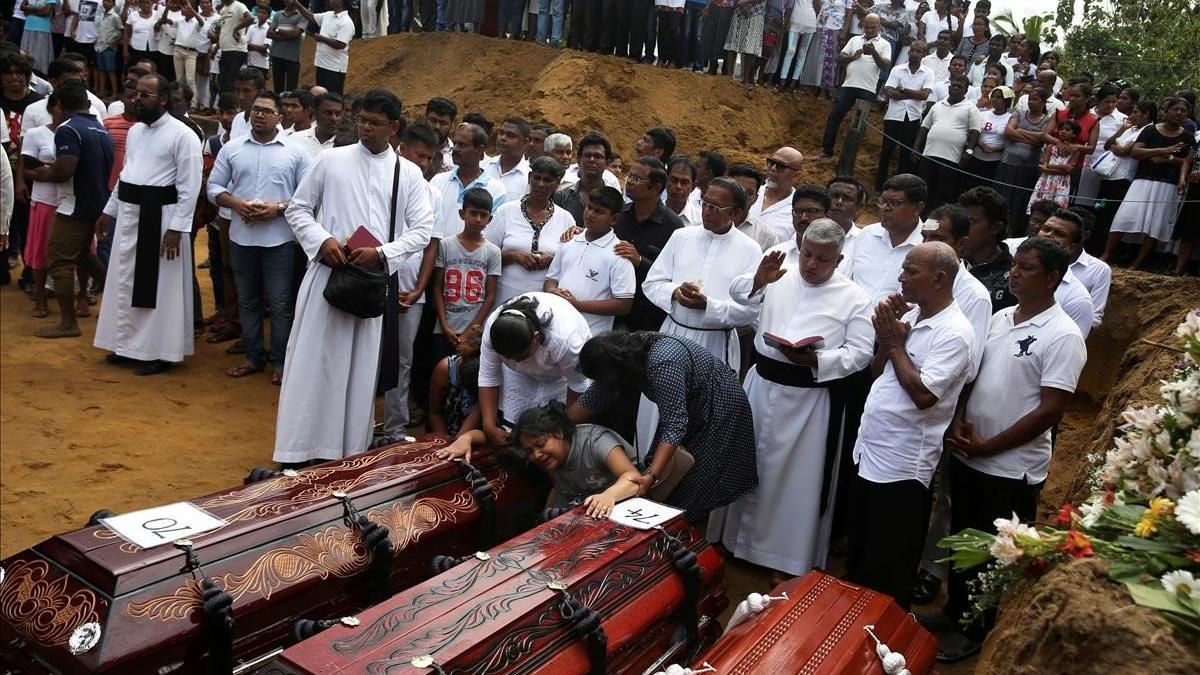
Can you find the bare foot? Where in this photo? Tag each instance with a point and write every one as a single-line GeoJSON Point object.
{"type": "Point", "coordinates": [39, 311]}
{"type": "Point", "coordinates": [58, 331]}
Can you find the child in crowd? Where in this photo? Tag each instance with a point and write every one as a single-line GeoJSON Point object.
{"type": "Point", "coordinates": [1058, 160]}
{"type": "Point", "coordinates": [109, 31]}
{"type": "Point", "coordinates": [465, 274]}
{"type": "Point", "coordinates": [587, 273]}
{"type": "Point", "coordinates": [454, 387]}
{"type": "Point", "coordinates": [38, 149]}
{"type": "Point", "coordinates": [588, 463]}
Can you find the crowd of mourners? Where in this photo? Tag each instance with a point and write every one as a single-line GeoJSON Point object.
{"type": "Point", "coordinates": [722, 337]}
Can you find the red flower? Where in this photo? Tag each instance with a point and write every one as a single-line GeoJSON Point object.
{"type": "Point", "coordinates": [1036, 567]}
{"type": "Point", "coordinates": [1077, 544]}
{"type": "Point", "coordinates": [1066, 515]}
{"type": "Point", "coordinates": [1109, 497]}
{"type": "Point", "coordinates": [1194, 555]}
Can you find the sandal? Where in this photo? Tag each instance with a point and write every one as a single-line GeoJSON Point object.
{"type": "Point", "coordinates": [277, 377]}
{"type": "Point", "coordinates": [244, 369]}
{"type": "Point", "coordinates": [222, 333]}
{"type": "Point", "coordinates": [81, 309]}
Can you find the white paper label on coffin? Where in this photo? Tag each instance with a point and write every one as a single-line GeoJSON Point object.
{"type": "Point", "coordinates": [162, 524]}
{"type": "Point", "coordinates": [642, 514]}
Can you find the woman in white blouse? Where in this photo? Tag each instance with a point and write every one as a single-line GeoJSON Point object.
{"type": "Point", "coordinates": [139, 34]}
{"type": "Point", "coordinates": [528, 232]}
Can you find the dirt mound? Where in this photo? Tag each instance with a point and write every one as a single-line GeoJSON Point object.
{"type": "Point", "coordinates": [580, 92]}
{"type": "Point", "coordinates": [1076, 621]}
{"type": "Point", "coordinates": [1123, 369]}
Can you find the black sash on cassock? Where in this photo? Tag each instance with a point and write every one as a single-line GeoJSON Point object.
{"type": "Point", "coordinates": [151, 199]}
{"type": "Point", "coordinates": [792, 375]}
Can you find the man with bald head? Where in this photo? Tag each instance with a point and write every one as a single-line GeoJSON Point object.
{"type": "Point", "coordinates": [773, 208]}
{"type": "Point", "coordinates": [864, 57]}
{"type": "Point", "coordinates": [922, 359]}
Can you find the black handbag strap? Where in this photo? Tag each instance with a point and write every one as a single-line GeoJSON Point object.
{"type": "Point", "coordinates": [395, 195]}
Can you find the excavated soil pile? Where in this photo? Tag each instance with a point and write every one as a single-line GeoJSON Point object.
{"type": "Point", "coordinates": [581, 92]}
{"type": "Point", "coordinates": [1076, 621]}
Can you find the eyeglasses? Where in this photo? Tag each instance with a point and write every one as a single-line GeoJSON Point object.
{"type": "Point", "coordinates": [705, 204]}
{"type": "Point", "coordinates": [776, 165]}
{"type": "Point", "coordinates": [807, 211]}
{"type": "Point", "coordinates": [146, 94]}
{"type": "Point", "coordinates": [258, 110]}
{"type": "Point", "coordinates": [891, 203]}
{"type": "Point", "coordinates": [373, 123]}
{"type": "Point", "coordinates": [635, 179]}
{"type": "Point", "coordinates": [594, 156]}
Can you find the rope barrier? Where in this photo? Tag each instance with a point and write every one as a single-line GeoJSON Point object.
{"type": "Point", "coordinates": [961, 170]}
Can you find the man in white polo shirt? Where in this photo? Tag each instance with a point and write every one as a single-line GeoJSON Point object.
{"type": "Point", "coordinates": [1071, 228]}
{"type": "Point", "coordinates": [922, 358]}
{"type": "Point", "coordinates": [874, 263]}
{"type": "Point", "coordinates": [1002, 442]}
{"type": "Point", "coordinates": [332, 57]}
{"type": "Point", "coordinates": [950, 127]}
{"type": "Point", "coordinates": [864, 56]}
{"type": "Point", "coordinates": [907, 88]}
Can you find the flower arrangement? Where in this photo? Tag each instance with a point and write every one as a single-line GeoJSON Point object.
{"type": "Point", "coordinates": [1143, 517]}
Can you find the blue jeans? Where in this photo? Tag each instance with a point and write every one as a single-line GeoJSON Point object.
{"type": "Point", "coordinates": [265, 271]}
{"type": "Point", "coordinates": [546, 10]}
{"type": "Point", "coordinates": [441, 15]}
{"type": "Point", "coordinates": [690, 40]}
{"type": "Point", "coordinates": [797, 53]}
{"type": "Point", "coordinates": [399, 16]}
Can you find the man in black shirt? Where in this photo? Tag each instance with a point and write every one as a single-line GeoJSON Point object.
{"type": "Point", "coordinates": [986, 256]}
{"type": "Point", "coordinates": [644, 228]}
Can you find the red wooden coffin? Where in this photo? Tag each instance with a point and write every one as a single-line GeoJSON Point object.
{"type": "Point", "coordinates": [575, 595]}
{"type": "Point", "coordinates": [292, 546]}
{"type": "Point", "coordinates": [821, 628]}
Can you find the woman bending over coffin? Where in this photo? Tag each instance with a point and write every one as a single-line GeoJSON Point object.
{"type": "Point", "coordinates": [701, 407]}
{"type": "Point", "coordinates": [588, 463]}
{"type": "Point", "coordinates": [529, 357]}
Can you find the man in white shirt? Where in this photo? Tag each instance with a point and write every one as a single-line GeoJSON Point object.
{"type": "Point", "coordinates": [939, 61]}
{"type": "Point", "coordinates": [60, 71]}
{"type": "Point", "coordinates": [881, 248]}
{"type": "Point", "coordinates": [922, 361]}
{"type": "Point", "coordinates": [1002, 442]}
{"type": "Point", "coordinates": [326, 407]}
{"type": "Point", "coordinates": [469, 140]}
{"type": "Point", "coordinates": [950, 225]}
{"type": "Point", "coordinates": [864, 57]}
{"type": "Point", "coordinates": [510, 165]}
{"type": "Point", "coordinates": [439, 115]}
{"type": "Point", "coordinates": [1046, 80]}
{"type": "Point", "coordinates": [773, 208]}
{"type": "Point", "coordinates": [941, 88]}
{"type": "Point", "coordinates": [949, 128]}
{"type": "Point", "coordinates": [681, 183]}
{"type": "Point", "coordinates": [328, 117]}
{"type": "Point", "coordinates": [907, 88]}
{"type": "Point", "coordinates": [847, 197]}
{"type": "Point", "coordinates": [255, 176]}
{"type": "Point", "coordinates": [1070, 229]}
{"type": "Point", "coordinates": [332, 57]}
{"type": "Point", "coordinates": [751, 180]}
{"type": "Point", "coordinates": [231, 40]}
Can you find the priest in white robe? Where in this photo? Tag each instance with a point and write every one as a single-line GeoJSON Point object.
{"type": "Point", "coordinates": [327, 405]}
{"type": "Point", "coordinates": [690, 282]}
{"type": "Point", "coordinates": [146, 310]}
{"type": "Point", "coordinates": [785, 523]}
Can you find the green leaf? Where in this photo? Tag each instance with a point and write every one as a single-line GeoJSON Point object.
{"type": "Point", "coordinates": [1155, 598]}
{"type": "Point", "coordinates": [1151, 545]}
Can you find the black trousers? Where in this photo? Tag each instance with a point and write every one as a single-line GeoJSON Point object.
{"type": "Point", "coordinates": [330, 79]}
{"type": "Point", "coordinates": [843, 102]}
{"type": "Point", "coordinates": [585, 28]}
{"type": "Point", "coordinates": [285, 75]}
{"type": "Point", "coordinates": [887, 536]}
{"type": "Point", "coordinates": [231, 63]}
{"type": "Point", "coordinates": [616, 27]}
{"type": "Point", "coordinates": [978, 499]}
{"type": "Point", "coordinates": [1112, 193]}
{"type": "Point", "coordinates": [904, 133]}
{"type": "Point", "coordinates": [669, 23]}
{"type": "Point", "coordinates": [942, 179]}
{"type": "Point", "coordinates": [639, 10]}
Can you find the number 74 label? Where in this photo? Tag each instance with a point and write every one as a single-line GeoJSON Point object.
{"type": "Point", "coordinates": [642, 514]}
{"type": "Point", "coordinates": [162, 524]}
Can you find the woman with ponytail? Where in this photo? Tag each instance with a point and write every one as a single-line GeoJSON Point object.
{"type": "Point", "coordinates": [588, 463]}
{"type": "Point", "coordinates": [529, 357]}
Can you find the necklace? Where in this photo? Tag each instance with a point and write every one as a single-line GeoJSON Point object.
{"type": "Point", "coordinates": [537, 226]}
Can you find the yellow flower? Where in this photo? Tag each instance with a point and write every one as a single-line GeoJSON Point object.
{"type": "Point", "coordinates": [1160, 506]}
{"type": "Point", "coordinates": [1146, 527]}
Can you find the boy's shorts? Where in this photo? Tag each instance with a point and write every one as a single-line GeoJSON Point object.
{"type": "Point", "coordinates": [106, 60]}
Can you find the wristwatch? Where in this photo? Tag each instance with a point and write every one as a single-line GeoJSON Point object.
{"type": "Point", "coordinates": [281, 207]}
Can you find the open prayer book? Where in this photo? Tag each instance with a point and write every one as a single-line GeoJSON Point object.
{"type": "Point", "coordinates": [816, 342]}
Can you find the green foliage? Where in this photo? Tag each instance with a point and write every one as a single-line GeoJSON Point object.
{"type": "Point", "coordinates": [1036, 25]}
{"type": "Point", "coordinates": [1150, 43]}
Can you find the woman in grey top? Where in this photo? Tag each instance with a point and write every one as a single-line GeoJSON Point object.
{"type": "Point", "coordinates": [1018, 170]}
{"type": "Point", "coordinates": [588, 463]}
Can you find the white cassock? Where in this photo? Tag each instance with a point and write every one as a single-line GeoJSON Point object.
{"type": "Point", "coordinates": [158, 156]}
{"type": "Point", "coordinates": [550, 371]}
{"type": "Point", "coordinates": [711, 261]}
{"type": "Point", "coordinates": [781, 525]}
{"type": "Point", "coordinates": [327, 405]}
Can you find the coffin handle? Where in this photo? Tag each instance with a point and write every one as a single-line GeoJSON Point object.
{"type": "Point", "coordinates": [688, 566]}
{"type": "Point", "coordinates": [379, 547]}
{"type": "Point", "coordinates": [95, 518]}
{"type": "Point", "coordinates": [586, 623]}
{"type": "Point", "coordinates": [217, 607]}
{"type": "Point", "coordinates": [485, 499]}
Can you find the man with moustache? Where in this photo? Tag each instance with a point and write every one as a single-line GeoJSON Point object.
{"type": "Point", "coordinates": [773, 208]}
{"type": "Point", "coordinates": [146, 313]}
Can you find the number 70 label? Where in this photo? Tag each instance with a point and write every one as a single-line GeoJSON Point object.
{"type": "Point", "coordinates": [162, 524]}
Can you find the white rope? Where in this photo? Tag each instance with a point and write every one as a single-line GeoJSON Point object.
{"type": "Point", "coordinates": [1072, 197]}
{"type": "Point", "coordinates": [753, 604]}
{"type": "Point", "coordinates": [893, 662]}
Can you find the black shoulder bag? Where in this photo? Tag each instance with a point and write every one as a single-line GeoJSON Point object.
{"type": "Point", "coordinates": [359, 290]}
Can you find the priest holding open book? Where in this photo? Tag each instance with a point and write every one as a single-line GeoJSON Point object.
{"type": "Point", "coordinates": [326, 408]}
{"type": "Point", "coordinates": [814, 328]}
